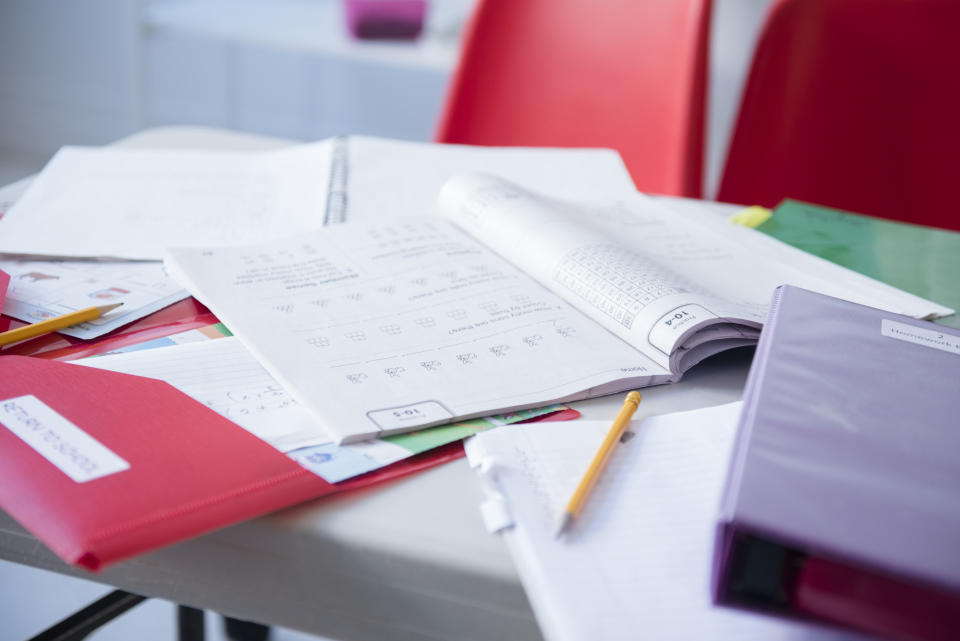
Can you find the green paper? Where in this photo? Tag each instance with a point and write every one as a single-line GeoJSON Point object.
{"type": "Point", "coordinates": [220, 327]}
{"type": "Point", "coordinates": [924, 261]}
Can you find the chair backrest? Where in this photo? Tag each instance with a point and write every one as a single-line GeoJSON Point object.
{"type": "Point", "coordinates": [853, 104]}
{"type": "Point", "coordinates": [625, 74]}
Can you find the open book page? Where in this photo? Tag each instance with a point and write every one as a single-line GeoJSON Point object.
{"type": "Point", "coordinates": [382, 328]}
{"type": "Point", "coordinates": [637, 563]}
{"type": "Point", "coordinates": [657, 279]}
{"type": "Point", "coordinates": [604, 270]}
{"type": "Point", "coordinates": [377, 178]}
{"type": "Point", "coordinates": [134, 203]}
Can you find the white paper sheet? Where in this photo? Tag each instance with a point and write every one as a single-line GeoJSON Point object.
{"type": "Point", "coordinates": [133, 203]}
{"type": "Point", "coordinates": [225, 377]}
{"type": "Point", "coordinates": [637, 564]}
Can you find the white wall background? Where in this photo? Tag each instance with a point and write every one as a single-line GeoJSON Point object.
{"type": "Point", "coordinates": [66, 72]}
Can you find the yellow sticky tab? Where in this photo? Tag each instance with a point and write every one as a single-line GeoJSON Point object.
{"type": "Point", "coordinates": [751, 216]}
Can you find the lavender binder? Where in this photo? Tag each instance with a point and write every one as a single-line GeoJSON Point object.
{"type": "Point", "coordinates": [843, 497]}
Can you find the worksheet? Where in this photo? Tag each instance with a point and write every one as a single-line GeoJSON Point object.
{"type": "Point", "coordinates": [43, 289]}
{"type": "Point", "coordinates": [377, 328]}
{"type": "Point", "coordinates": [223, 375]}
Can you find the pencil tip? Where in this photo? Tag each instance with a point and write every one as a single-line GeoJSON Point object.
{"type": "Point", "coordinates": [106, 308]}
{"type": "Point", "coordinates": [564, 524]}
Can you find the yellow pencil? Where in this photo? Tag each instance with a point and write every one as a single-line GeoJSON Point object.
{"type": "Point", "coordinates": [599, 462]}
{"type": "Point", "coordinates": [55, 323]}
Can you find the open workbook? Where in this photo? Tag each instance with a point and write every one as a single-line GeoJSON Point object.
{"type": "Point", "coordinates": [510, 300]}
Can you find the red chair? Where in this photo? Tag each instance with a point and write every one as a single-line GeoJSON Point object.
{"type": "Point", "coordinates": [626, 74]}
{"type": "Point", "coordinates": [853, 104]}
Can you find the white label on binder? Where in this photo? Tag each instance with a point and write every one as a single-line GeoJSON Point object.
{"type": "Point", "coordinates": [73, 451]}
{"type": "Point", "coordinates": [920, 336]}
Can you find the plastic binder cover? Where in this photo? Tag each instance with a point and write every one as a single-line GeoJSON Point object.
{"type": "Point", "coordinates": [848, 452]}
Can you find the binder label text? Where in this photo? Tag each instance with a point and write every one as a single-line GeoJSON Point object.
{"type": "Point", "coordinates": [920, 336]}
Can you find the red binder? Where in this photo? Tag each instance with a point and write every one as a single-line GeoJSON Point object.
{"type": "Point", "coordinates": [189, 470]}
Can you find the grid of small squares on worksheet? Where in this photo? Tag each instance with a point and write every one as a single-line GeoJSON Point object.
{"type": "Point", "coordinates": [616, 281]}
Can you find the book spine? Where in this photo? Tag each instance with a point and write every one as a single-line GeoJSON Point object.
{"type": "Point", "coordinates": [336, 209]}
{"type": "Point", "coordinates": [723, 541]}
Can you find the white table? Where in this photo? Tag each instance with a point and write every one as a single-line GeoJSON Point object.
{"type": "Point", "coordinates": [406, 560]}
